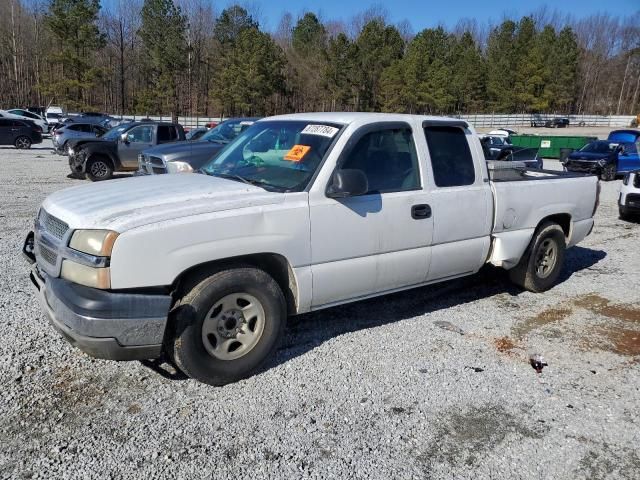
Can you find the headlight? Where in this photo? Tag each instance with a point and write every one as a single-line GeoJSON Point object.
{"type": "Point", "coordinates": [84, 275]}
{"type": "Point", "coordinates": [179, 167]}
{"type": "Point", "coordinates": [603, 162]}
{"type": "Point", "coordinates": [94, 242]}
{"type": "Point", "coordinates": [625, 181]}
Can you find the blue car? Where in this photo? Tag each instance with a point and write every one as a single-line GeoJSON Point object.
{"type": "Point", "coordinates": [607, 158]}
{"type": "Point", "coordinates": [629, 142]}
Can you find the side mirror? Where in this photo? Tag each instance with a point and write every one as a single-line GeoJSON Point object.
{"type": "Point", "coordinates": [124, 138]}
{"type": "Point", "coordinates": [348, 183]}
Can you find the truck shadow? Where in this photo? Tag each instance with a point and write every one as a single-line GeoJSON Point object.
{"type": "Point", "coordinates": [310, 330]}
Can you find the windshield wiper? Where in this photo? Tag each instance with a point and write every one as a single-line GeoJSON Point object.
{"type": "Point", "coordinates": [248, 181]}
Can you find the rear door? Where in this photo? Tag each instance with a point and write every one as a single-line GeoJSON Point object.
{"type": "Point", "coordinates": [461, 200]}
{"type": "Point", "coordinates": [378, 241]}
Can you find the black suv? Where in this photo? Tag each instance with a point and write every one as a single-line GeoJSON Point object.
{"type": "Point", "coordinates": [20, 133]}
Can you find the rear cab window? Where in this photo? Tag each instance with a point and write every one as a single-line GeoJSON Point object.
{"type": "Point", "coordinates": [451, 159]}
{"type": "Point", "coordinates": [167, 133]}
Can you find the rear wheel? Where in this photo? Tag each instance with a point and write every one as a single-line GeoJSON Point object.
{"type": "Point", "coordinates": [542, 262]}
{"type": "Point", "coordinates": [226, 326]}
{"type": "Point", "coordinates": [608, 172]}
{"type": "Point", "coordinates": [99, 169]}
{"type": "Point", "coordinates": [22, 142]}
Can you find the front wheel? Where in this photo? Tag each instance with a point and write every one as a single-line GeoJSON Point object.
{"type": "Point", "coordinates": [99, 169]}
{"type": "Point", "coordinates": [542, 262]}
{"type": "Point", "coordinates": [23, 142]}
{"type": "Point", "coordinates": [227, 325]}
{"type": "Point", "coordinates": [608, 172]}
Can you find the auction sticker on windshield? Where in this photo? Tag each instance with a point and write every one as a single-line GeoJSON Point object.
{"type": "Point", "coordinates": [297, 153]}
{"type": "Point", "coordinates": [324, 130]}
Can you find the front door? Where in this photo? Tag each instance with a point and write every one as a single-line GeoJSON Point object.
{"type": "Point", "coordinates": [628, 158]}
{"type": "Point", "coordinates": [379, 241]}
{"type": "Point", "coordinates": [138, 139]}
{"type": "Point", "coordinates": [6, 135]}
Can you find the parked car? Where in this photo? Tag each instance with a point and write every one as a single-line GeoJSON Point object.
{"type": "Point", "coordinates": [498, 148]}
{"type": "Point", "coordinates": [558, 122]}
{"type": "Point", "coordinates": [196, 133]}
{"type": "Point", "coordinates": [190, 156]}
{"type": "Point", "coordinates": [26, 115]}
{"type": "Point", "coordinates": [54, 120]}
{"type": "Point", "coordinates": [61, 136]}
{"type": "Point", "coordinates": [629, 199]}
{"type": "Point", "coordinates": [597, 158]}
{"type": "Point", "coordinates": [98, 158]}
{"type": "Point", "coordinates": [299, 213]}
{"type": "Point", "coordinates": [19, 133]}
{"type": "Point", "coordinates": [503, 132]}
{"type": "Point", "coordinates": [629, 141]}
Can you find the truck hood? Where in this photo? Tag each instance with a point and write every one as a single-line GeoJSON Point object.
{"type": "Point", "coordinates": [128, 203]}
{"type": "Point", "coordinates": [185, 147]}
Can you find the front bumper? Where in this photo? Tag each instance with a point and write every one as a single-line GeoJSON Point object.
{"type": "Point", "coordinates": [583, 167]}
{"type": "Point", "coordinates": [113, 326]}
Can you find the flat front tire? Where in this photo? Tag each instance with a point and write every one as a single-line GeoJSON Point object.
{"type": "Point", "coordinates": [542, 262]}
{"type": "Point", "coordinates": [227, 325]}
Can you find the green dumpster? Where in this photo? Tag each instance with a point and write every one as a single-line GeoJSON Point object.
{"type": "Point", "coordinates": [549, 145]}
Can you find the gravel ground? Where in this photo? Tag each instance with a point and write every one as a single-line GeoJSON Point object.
{"type": "Point", "coordinates": [375, 389]}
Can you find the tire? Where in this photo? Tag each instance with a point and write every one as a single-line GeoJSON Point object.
{"type": "Point", "coordinates": [211, 340]}
{"type": "Point", "coordinates": [548, 245]}
{"type": "Point", "coordinates": [22, 142]}
{"type": "Point", "coordinates": [608, 172]}
{"type": "Point", "coordinates": [98, 169]}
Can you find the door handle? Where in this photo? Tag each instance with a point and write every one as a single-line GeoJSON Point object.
{"type": "Point", "coordinates": [418, 212]}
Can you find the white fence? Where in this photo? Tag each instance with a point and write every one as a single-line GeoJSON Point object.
{"type": "Point", "coordinates": [484, 120]}
{"type": "Point", "coordinates": [519, 120]}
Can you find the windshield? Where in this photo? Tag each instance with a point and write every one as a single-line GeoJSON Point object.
{"type": "Point", "coordinates": [276, 155]}
{"type": "Point", "coordinates": [596, 147]}
{"type": "Point", "coordinates": [227, 131]}
{"type": "Point", "coordinates": [115, 132]}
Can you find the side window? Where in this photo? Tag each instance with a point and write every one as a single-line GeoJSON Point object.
{"type": "Point", "coordinates": [388, 159]}
{"type": "Point", "coordinates": [98, 130]}
{"type": "Point", "coordinates": [85, 128]}
{"type": "Point", "coordinates": [141, 134]}
{"type": "Point", "coordinates": [167, 133]}
{"type": "Point", "coordinates": [451, 158]}
{"type": "Point", "coordinates": [75, 128]}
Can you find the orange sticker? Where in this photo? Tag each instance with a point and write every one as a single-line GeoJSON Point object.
{"type": "Point", "coordinates": [297, 152]}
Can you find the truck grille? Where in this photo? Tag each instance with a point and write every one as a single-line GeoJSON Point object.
{"type": "Point", "coordinates": [151, 165]}
{"type": "Point", "coordinates": [48, 255]}
{"type": "Point", "coordinates": [53, 225]}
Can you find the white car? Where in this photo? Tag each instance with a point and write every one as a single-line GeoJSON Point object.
{"type": "Point", "coordinates": [503, 132]}
{"type": "Point", "coordinates": [27, 115]}
{"type": "Point", "coordinates": [298, 213]}
{"type": "Point", "coordinates": [629, 200]}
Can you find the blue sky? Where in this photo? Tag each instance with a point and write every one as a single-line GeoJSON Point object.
{"type": "Point", "coordinates": [428, 13]}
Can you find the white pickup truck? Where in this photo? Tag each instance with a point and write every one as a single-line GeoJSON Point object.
{"type": "Point", "coordinates": [299, 213]}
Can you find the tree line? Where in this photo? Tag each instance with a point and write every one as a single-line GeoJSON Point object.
{"type": "Point", "coordinates": [181, 57]}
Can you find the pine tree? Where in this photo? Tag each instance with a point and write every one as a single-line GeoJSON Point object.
{"type": "Point", "coordinates": [501, 64]}
{"type": "Point", "coordinates": [339, 72]}
{"type": "Point", "coordinates": [469, 75]}
{"type": "Point", "coordinates": [564, 70]}
{"type": "Point", "coordinates": [163, 34]}
{"type": "Point", "coordinates": [74, 26]}
{"type": "Point", "coordinates": [308, 59]}
{"type": "Point", "coordinates": [378, 46]}
{"type": "Point", "coordinates": [529, 68]}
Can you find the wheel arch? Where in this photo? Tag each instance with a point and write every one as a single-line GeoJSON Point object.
{"type": "Point", "coordinates": [274, 264]}
{"type": "Point", "coordinates": [562, 219]}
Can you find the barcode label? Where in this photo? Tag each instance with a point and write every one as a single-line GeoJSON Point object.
{"type": "Point", "coordinates": [324, 130]}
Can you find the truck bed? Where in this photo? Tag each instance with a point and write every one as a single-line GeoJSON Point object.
{"type": "Point", "coordinates": [513, 172]}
